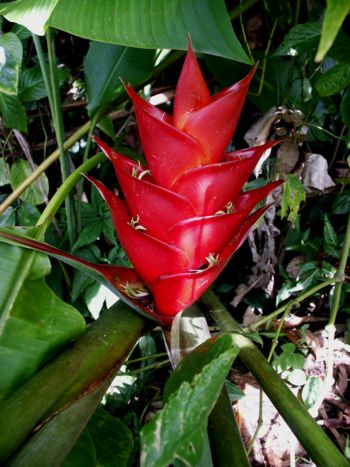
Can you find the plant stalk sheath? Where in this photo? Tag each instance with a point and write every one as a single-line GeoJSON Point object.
{"type": "Point", "coordinates": [98, 353]}
{"type": "Point", "coordinates": [225, 439]}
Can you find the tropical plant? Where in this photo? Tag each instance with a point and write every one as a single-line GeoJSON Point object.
{"type": "Point", "coordinates": [84, 368]}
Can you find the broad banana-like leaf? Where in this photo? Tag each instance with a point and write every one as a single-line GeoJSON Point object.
{"type": "Point", "coordinates": [151, 24]}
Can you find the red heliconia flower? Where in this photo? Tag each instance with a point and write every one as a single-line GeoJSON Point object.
{"type": "Point", "coordinates": [183, 216]}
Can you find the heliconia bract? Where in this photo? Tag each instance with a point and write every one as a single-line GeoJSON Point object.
{"type": "Point", "coordinates": [183, 216]}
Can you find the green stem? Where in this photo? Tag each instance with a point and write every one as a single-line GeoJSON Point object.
{"type": "Point", "coordinates": [296, 301]}
{"type": "Point", "coordinates": [245, 41]}
{"type": "Point", "coordinates": [330, 328]}
{"type": "Point", "coordinates": [80, 186]}
{"type": "Point", "coordinates": [318, 127]}
{"type": "Point", "coordinates": [43, 68]}
{"type": "Point", "coordinates": [226, 443]}
{"type": "Point", "coordinates": [98, 353]}
{"type": "Point", "coordinates": [340, 275]}
{"type": "Point", "coordinates": [266, 54]}
{"type": "Point", "coordinates": [297, 12]}
{"type": "Point", "coordinates": [42, 167]}
{"type": "Point", "coordinates": [66, 187]}
{"type": "Point", "coordinates": [153, 366]}
{"type": "Point", "coordinates": [314, 440]}
{"type": "Point", "coordinates": [279, 329]}
{"type": "Point", "coordinates": [50, 445]}
{"type": "Point", "coordinates": [59, 130]}
{"type": "Point", "coordinates": [147, 357]}
{"type": "Point", "coordinates": [259, 423]}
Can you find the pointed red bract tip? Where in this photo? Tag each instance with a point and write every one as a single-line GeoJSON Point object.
{"type": "Point", "coordinates": [191, 90]}
{"type": "Point", "coordinates": [141, 104]}
{"type": "Point", "coordinates": [213, 124]}
{"type": "Point", "coordinates": [109, 152]}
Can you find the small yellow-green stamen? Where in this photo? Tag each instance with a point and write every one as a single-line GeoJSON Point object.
{"type": "Point", "coordinates": [134, 223]}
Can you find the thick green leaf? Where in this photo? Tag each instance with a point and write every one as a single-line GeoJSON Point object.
{"type": "Point", "coordinates": [301, 38]}
{"type": "Point", "coordinates": [13, 113]}
{"type": "Point", "coordinates": [32, 86]}
{"type": "Point", "coordinates": [107, 64]}
{"type": "Point", "coordinates": [234, 392]}
{"type": "Point", "coordinates": [34, 323]}
{"type": "Point", "coordinates": [88, 235]}
{"type": "Point", "coordinates": [112, 439]}
{"type": "Point", "coordinates": [27, 215]}
{"type": "Point", "coordinates": [147, 24]}
{"type": "Point", "coordinates": [192, 364]}
{"type": "Point", "coordinates": [19, 171]}
{"type": "Point", "coordinates": [152, 24]}
{"type": "Point", "coordinates": [341, 203]}
{"type": "Point", "coordinates": [293, 196]}
{"type": "Point", "coordinates": [336, 12]}
{"type": "Point", "coordinates": [330, 238]}
{"type": "Point", "coordinates": [11, 52]}
{"type": "Point", "coordinates": [178, 431]}
{"type": "Point", "coordinates": [21, 32]}
{"type": "Point", "coordinates": [333, 80]}
{"type": "Point", "coordinates": [83, 452]}
{"type": "Point", "coordinates": [32, 14]}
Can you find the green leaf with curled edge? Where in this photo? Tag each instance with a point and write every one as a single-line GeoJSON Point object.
{"type": "Point", "coordinates": [33, 14]}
